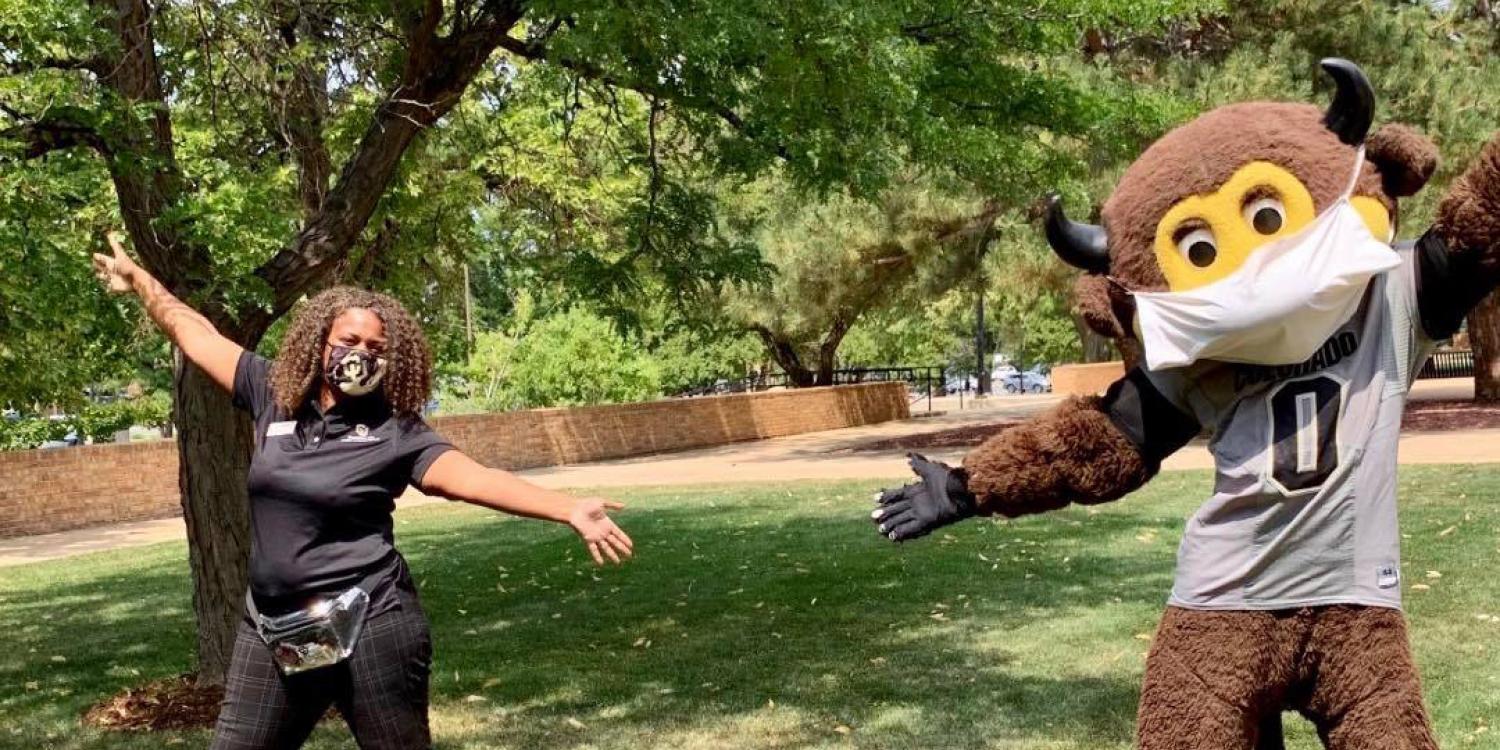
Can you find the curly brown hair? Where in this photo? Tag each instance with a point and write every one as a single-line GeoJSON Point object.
{"type": "Point", "coordinates": [299, 365]}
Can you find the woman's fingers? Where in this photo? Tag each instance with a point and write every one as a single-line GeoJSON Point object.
{"type": "Point", "coordinates": [613, 504]}
{"type": "Point", "coordinates": [609, 551]}
{"type": "Point", "coordinates": [594, 550]}
{"type": "Point", "coordinates": [620, 545]}
{"type": "Point", "coordinates": [618, 533]}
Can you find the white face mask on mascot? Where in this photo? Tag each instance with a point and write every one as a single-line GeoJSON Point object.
{"type": "Point", "coordinates": [1277, 308]}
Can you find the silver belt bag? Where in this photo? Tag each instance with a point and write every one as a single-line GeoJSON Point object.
{"type": "Point", "coordinates": [318, 635]}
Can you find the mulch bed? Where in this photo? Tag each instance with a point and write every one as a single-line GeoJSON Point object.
{"type": "Point", "coordinates": [1430, 416]}
{"type": "Point", "coordinates": [172, 703]}
{"type": "Point", "coordinates": [1421, 416]}
{"type": "Point", "coordinates": [958, 437]}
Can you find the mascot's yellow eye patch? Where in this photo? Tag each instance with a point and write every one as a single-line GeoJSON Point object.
{"type": "Point", "coordinates": [1376, 217]}
{"type": "Point", "coordinates": [1206, 237]}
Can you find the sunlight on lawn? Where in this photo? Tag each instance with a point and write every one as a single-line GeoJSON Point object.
{"type": "Point", "coordinates": [766, 616]}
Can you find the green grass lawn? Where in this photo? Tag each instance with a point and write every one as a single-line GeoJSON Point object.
{"type": "Point", "coordinates": [769, 616]}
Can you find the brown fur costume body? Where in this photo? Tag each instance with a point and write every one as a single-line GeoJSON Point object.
{"type": "Point", "coordinates": [1218, 680]}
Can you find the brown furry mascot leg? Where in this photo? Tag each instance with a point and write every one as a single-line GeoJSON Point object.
{"type": "Point", "coordinates": [1366, 692]}
{"type": "Point", "coordinates": [1214, 678]}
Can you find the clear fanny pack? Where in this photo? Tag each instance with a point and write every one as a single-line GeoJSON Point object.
{"type": "Point", "coordinates": [318, 635]}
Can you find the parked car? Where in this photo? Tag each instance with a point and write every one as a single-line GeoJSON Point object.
{"type": "Point", "coordinates": [957, 383]}
{"type": "Point", "coordinates": [69, 440]}
{"type": "Point", "coordinates": [1030, 381]}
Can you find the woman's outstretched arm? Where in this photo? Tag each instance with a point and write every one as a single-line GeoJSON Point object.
{"type": "Point", "coordinates": [199, 341]}
{"type": "Point", "coordinates": [457, 477]}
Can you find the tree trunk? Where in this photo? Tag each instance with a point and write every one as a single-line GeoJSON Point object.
{"type": "Point", "coordinates": [1096, 348]}
{"type": "Point", "coordinates": [213, 447]}
{"type": "Point", "coordinates": [786, 356]}
{"type": "Point", "coordinates": [828, 350]}
{"type": "Point", "coordinates": [1484, 337]}
{"type": "Point", "coordinates": [824, 376]}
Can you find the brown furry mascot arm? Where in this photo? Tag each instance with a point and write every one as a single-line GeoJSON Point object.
{"type": "Point", "coordinates": [1087, 450]}
{"type": "Point", "coordinates": [1458, 260]}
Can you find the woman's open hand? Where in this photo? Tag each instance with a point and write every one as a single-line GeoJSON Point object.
{"type": "Point", "coordinates": [599, 532]}
{"type": "Point", "coordinates": [115, 272]}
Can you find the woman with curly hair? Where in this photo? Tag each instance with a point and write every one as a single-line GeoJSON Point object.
{"type": "Point", "coordinates": [332, 615]}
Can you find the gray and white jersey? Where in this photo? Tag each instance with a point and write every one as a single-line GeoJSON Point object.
{"type": "Point", "coordinates": [1304, 505]}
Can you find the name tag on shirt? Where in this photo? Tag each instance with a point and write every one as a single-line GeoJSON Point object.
{"type": "Point", "coordinates": [281, 428]}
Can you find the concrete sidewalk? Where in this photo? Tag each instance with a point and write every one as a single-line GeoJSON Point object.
{"type": "Point", "coordinates": [821, 455]}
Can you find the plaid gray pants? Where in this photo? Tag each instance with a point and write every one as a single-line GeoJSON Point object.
{"type": "Point", "coordinates": [380, 690]}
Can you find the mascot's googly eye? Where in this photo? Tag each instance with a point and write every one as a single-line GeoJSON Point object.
{"type": "Point", "coordinates": [1199, 246]}
{"type": "Point", "coordinates": [1266, 214]}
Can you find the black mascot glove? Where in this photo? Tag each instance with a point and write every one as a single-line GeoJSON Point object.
{"type": "Point", "coordinates": [940, 498]}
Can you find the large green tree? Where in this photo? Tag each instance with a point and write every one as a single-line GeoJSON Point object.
{"type": "Point", "coordinates": [839, 260]}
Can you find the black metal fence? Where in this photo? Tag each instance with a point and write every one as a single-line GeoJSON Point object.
{"type": "Point", "coordinates": [1457, 363]}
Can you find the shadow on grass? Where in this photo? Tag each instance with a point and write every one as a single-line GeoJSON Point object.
{"type": "Point", "coordinates": [764, 616]}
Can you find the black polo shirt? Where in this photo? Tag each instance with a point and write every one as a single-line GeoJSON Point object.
{"type": "Point", "coordinates": [323, 486]}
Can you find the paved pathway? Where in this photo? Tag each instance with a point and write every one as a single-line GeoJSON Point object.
{"type": "Point", "coordinates": [821, 455]}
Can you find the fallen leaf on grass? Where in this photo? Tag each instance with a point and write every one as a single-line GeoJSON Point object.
{"type": "Point", "coordinates": [576, 724]}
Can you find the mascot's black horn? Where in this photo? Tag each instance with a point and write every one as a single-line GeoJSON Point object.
{"type": "Point", "coordinates": [1353, 107]}
{"type": "Point", "coordinates": [1083, 245]}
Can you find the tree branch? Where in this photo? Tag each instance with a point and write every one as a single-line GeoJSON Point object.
{"type": "Point", "coordinates": [145, 194]}
{"type": "Point", "coordinates": [21, 67]}
{"type": "Point", "coordinates": [304, 107]}
{"type": "Point", "coordinates": [437, 71]}
{"type": "Point", "coordinates": [536, 51]}
{"type": "Point", "coordinates": [364, 270]}
{"type": "Point", "coordinates": [38, 137]}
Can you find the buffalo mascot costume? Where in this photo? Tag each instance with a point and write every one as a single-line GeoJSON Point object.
{"type": "Point", "coordinates": [1247, 263]}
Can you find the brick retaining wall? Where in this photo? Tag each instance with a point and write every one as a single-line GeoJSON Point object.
{"type": "Point", "coordinates": [42, 491]}
{"type": "Point", "coordinates": [1086, 380]}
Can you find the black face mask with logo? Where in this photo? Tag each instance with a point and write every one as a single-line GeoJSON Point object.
{"type": "Point", "coordinates": [355, 372]}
